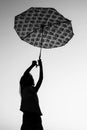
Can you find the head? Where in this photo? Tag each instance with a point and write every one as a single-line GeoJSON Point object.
{"type": "Point", "coordinates": [26, 81]}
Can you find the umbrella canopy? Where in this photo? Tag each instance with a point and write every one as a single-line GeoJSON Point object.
{"type": "Point", "coordinates": [43, 27]}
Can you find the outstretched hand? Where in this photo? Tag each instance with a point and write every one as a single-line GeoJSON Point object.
{"type": "Point", "coordinates": [34, 63]}
{"type": "Point", "coordinates": [39, 62]}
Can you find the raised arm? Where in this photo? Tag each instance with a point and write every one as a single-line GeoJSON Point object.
{"type": "Point", "coordinates": [40, 75]}
{"type": "Point", "coordinates": [34, 63]}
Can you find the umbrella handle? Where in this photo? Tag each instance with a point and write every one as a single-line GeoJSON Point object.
{"type": "Point", "coordinates": [39, 56]}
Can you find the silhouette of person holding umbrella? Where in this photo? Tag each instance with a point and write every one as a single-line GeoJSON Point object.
{"type": "Point", "coordinates": [29, 99]}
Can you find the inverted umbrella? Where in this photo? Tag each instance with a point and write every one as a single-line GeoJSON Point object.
{"type": "Point", "coordinates": [43, 27]}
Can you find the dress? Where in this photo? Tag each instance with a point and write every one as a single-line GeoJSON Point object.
{"type": "Point", "coordinates": [31, 110]}
{"type": "Point", "coordinates": [31, 121]}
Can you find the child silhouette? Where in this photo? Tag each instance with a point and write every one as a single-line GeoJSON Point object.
{"type": "Point", "coordinates": [29, 99]}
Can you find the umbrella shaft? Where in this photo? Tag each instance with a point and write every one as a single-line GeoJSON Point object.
{"type": "Point", "coordinates": [40, 53]}
{"type": "Point", "coordinates": [42, 27]}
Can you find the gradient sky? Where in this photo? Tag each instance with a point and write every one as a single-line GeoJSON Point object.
{"type": "Point", "coordinates": [63, 95]}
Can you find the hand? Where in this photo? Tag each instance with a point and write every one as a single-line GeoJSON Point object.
{"type": "Point", "coordinates": [39, 62]}
{"type": "Point", "coordinates": [34, 63]}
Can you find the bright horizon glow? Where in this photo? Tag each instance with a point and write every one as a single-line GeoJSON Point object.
{"type": "Point", "coordinates": [63, 94]}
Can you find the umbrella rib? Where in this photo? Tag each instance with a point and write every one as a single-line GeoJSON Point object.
{"type": "Point", "coordinates": [59, 22]}
{"type": "Point", "coordinates": [27, 35]}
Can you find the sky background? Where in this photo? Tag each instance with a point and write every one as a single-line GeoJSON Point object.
{"type": "Point", "coordinates": [63, 95]}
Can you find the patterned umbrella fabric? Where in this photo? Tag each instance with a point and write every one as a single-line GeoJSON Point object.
{"type": "Point", "coordinates": [43, 27]}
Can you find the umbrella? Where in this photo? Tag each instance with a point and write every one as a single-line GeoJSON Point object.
{"type": "Point", "coordinates": [43, 27]}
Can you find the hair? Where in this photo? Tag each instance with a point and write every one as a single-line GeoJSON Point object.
{"type": "Point", "coordinates": [26, 81]}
